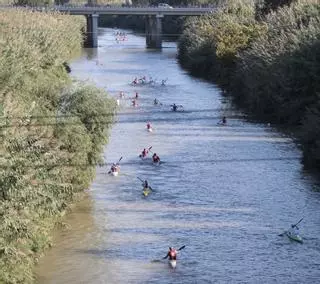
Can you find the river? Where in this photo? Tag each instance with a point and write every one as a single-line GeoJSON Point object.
{"type": "Point", "coordinates": [225, 192]}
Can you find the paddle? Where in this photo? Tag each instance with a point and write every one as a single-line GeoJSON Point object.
{"type": "Point", "coordinates": [280, 235]}
{"type": "Point", "coordinates": [159, 260]}
{"type": "Point", "coordinates": [181, 248]}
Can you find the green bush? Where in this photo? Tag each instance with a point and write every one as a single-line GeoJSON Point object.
{"type": "Point", "coordinates": [51, 132]}
{"type": "Point", "coordinates": [209, 46]}
{"type": "Point", "coordinates": [270, 66]}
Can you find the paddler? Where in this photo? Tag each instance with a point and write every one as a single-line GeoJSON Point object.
{"type": "Point", "coordinates": [144, 153]}
{"type": "Point", "coordinates": [114, 167]}
{"type": "Point", "coordinates": [223, 121]}
{"type": "Point", "coordinates": [145, 184]}
{"type": "Point", "coordinates": [174, 107]}
{"type": "Point", "coordinates": [149, 125]}
{"type": "Point", "coordinates": [172, 254]}
{"type": "Point", "coordinates": [155, 158]}
{"type": "Point", "coordinates": [136, 95]}
{"type": "Point", "coordinates": [294, 230]}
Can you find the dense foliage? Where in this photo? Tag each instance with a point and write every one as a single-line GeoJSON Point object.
{"type": "Point", "coordinates": [209, 46]}
{"type": "Point", "coordinates": [51, 133]}
{"type": "Point", "coordinates": [271, 66]}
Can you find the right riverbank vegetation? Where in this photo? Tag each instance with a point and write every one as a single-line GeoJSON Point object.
{"type": "Point", "coordinates": [267, 57]}
{"type": "Point", "coordinates": [52, 133]}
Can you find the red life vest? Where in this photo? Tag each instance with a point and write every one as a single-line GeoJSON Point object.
{"type": "Point", "coordinates": [172, 253]}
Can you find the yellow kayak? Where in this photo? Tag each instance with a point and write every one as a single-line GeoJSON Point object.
{"type": "Point", "coordinates": [146, 191]}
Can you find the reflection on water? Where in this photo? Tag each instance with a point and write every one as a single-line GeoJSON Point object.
{"type": "Point", "coordinates": [225, 192]}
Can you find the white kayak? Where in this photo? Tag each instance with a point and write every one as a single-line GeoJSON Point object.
{"type": "Point", "coordinates": [114, 173]}
{"type": "Point", "coordinates": [294, 237]}
{"type": "Point", "coordinates": [149, 129]}
{"type": "Point", "coordinates": [172, 263]}
{"type": "Point", "coordinates": [156, 163]}
{"type": "Point", "coordinates": [143, 157]}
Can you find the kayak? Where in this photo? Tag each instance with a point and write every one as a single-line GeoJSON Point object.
{"type": "Point", "coordinates": [149, 129]}
{"type": "Point", "coordinates": [114, 173]}
{"type": "Point", "coordinates": [172, 263]}
{"type": "Point", "coordinates": [143, 157]}
{"type": "Point", "coordinates": [146, 191]}
{"type": "Point", "coordinates": [294, 237]}
{"type": "Point", "coordinates": [156, 163]}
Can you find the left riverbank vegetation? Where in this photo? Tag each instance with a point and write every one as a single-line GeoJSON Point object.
{"type": "Point", "coordinates": [267, 56]}
{"type": "Point", "coordinates": [52, 133]}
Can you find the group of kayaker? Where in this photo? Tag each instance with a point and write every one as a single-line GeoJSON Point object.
{"type": "Point", "coordinates": [145, 152]}
{"type": "Point", "coordinates": [144, 81]}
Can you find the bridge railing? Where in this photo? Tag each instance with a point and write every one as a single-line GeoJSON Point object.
{"type": "Point", "coordinates": [105, 6]}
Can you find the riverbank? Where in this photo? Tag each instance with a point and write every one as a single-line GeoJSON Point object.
{"type": "Point", "coordinates": [269, 63]}
{"type": "Point", "coordinates": [52, 133]}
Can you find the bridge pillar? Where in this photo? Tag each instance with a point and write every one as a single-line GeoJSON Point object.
{"type": "Point", "coordinates": [154, 31]}
{"type": "Point", "coordinates": [92, 31]}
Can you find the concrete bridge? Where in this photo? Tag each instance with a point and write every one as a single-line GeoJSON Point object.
{"type": "Point", "coordinates": [153, 15]}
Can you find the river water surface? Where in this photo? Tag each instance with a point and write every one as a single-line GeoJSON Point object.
{"type": "Point", "coordinates": [225, 192]}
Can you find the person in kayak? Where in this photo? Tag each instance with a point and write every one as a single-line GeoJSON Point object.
{"type": "Point", "coordinates": [174, 107]}
{"type": "Point", "coordinates": [155, 102]}
{"type": "Point", "coordinates": [294, 230]}
{"type": "Point", "coordinates": [145, 184]}
{"type": "Point", "coordinates": [114, 167]}
{"type": "Point", "coordinates": [134, 103]}
{"type": "Point", "coordinates": [135, 81]}
{"type": "Point", "coordinates": [144, 153]}
{"type": "Point", "coordinates": [149, 125]}
{"type": "Point", "coordinates": [223, 121]}
{"type": "Point", "coordinates": [172, 254]}
{"type": "Point", "coordinates": [155, 158]}
{"type": "Point", "coordinates": [136, 96]}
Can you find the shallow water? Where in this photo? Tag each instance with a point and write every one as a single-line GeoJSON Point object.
{"type": "Point", "coordinates": [225, 192]}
